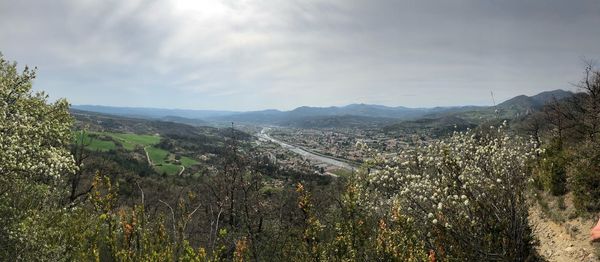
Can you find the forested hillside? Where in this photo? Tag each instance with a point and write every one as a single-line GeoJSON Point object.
{"type": "Point", "coordinates": [76, 186]}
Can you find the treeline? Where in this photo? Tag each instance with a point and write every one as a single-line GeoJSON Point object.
{"type": "Point", "coordinates": [569, 131]}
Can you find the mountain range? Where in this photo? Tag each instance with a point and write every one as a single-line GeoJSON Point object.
{"type": "Point", "coordinates": [343, 116]}
{"type": "Point", "coordinates": [156, 113]}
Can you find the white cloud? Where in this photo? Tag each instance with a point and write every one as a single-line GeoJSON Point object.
{"type": "Point", "coordinates": [255, 54]}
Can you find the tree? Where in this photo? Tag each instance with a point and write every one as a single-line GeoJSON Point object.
{"type": "Point", "coordinates": [80, 155]}
{"type": "Point", "coordinates": [34, 160]}
{"type": "Point", "coordinates": [584, 176]}
{"type": "Point", "coordinates": [590, 102]}
{"type": "Point", "coordinates": [561, 117]}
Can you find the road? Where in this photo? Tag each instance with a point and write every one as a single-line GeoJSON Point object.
{"type": "Point", "coordinates": [306, 154]}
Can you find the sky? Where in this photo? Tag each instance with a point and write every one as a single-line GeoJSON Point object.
{"type": "Point", "coordinates": [260, 54]}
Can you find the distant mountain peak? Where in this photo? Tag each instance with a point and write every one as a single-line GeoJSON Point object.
{"type": "Point", "coordinates": [546, 96]}
{"type": "Point", "coordinates": [535, 101]}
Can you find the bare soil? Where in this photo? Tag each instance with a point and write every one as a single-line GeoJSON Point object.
{"type": "Point", "coordinates": [563, 237]}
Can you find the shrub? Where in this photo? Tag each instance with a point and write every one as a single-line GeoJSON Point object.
{"type": "Point", "coordinates": [552, 169]}
{"type": "Point", "coordinates": [359, 231]}
{"type": "Point", "coordinates": [467, 194]}
{"type": "Point", "coordinates": [102, 231]}
{"type": "Point", "coordinates": [584, 179]}
{"type": "Point", "coordinates": [34, 160]}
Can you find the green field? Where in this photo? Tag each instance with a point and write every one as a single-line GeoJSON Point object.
{"type": "Point", "coordinates": [102, 140]}
{"type": "Point", "coordinates": [94, 143]}
{"type": "Point", "coordinates": [163, 160]}
{"type": "Point", "coordinates": [130, 141]}
{"type": "Point", "coordinates": [157, 155]}
{"type": "Point", "coordinates": [187, 162]}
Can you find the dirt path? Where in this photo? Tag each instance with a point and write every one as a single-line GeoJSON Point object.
{"type": "Point", "coordinates": [148, 157]}
{"type": "Point", "coordinates": [568, 241]}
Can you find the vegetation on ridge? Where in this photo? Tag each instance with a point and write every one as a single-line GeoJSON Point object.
{"type": "Point", "coordinates": [463, 197]}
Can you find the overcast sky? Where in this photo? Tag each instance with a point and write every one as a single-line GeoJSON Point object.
{"type": "Point", "coordinates": [258, 54]}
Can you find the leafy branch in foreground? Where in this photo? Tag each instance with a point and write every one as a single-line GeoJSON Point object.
{"type": "Point", "coordinates": [34, 158]}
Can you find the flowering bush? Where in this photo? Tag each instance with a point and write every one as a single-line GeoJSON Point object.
{"type": "Point", "coordinates": [34, 136]}
{"type": "Point", "coordinates": [466, 193]}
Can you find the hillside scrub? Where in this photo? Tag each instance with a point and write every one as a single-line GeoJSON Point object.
{"type": "Point", "coordinates": [584, 180]}
{"type": "Point", "coordinates": [455, 199]}
{"type": "Point", "coordinates": [551, 171]}
{"type": "Point", "coordinates": [569, 131]}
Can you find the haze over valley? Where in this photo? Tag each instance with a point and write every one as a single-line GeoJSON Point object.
{"type": "Point", "coordinates": [313, 130]}
{"type": "Point", "coordinates": [326, 136]}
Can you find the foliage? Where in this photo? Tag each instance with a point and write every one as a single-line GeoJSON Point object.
{"type": "Point", "coordinates": [584, 179]}
{"type": "Point", "coordinates": [311, 227]}
{"type": "Point", "coordinates": [467, 194]}
{"type": "Point", "coordinates": [570, 162]}
{"type": "Point", "coordinates": [552, 169]}
{"type": "Point", "coordinates": [111, 233]}
{"type": "Point", "coordinates": [34, 135]}
{"type": "Point", "coordinates": [361, 233]}
{"type": "Point", "coordinates": [585, 176]}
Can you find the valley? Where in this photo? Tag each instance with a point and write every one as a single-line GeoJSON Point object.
{"type": "Point", "coordinates": [323, 140]}
{"type": "Point", "coordinates": [273, 174]}
{"type": "Point", "coordinates": [307, 153]}
{"type": "Point", "coordinates": [265, 130]}
{"type": "Point", "coordinates": [264, 157]}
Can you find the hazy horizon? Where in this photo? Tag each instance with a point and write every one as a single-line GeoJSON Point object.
{"type": "Point", "coordinates": [263, 109]}
{"type": "Point", "coordinates": [254, 55]}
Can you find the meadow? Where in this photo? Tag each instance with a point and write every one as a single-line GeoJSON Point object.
{"type": "Point", "coordinates": [162, 160]}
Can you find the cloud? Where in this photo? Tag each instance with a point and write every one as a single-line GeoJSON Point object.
{"type": "Point", "coordinates": [255, 54]}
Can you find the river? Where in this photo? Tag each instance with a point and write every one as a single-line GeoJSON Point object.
{"type": "Point", "coordinates": [305, 154]}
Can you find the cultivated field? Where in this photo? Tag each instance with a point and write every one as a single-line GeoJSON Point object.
{"type": "Point", "coordinates": [162, 160]}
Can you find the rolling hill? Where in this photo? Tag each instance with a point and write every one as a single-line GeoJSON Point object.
{"type": "Point", "coordinates": [509, 109]}
{"type": "Point", "coordinates": [353, 115]}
